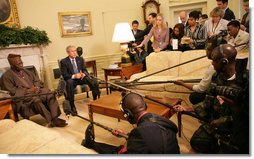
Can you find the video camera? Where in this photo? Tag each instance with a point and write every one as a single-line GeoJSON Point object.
{"type": "Point", "coordinates": [223, 33]}
{"type": "Point", "coordinates": [240, 89]}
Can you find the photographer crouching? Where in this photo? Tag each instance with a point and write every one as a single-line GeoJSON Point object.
{"type": "Point", "coordinates": [228, 130]}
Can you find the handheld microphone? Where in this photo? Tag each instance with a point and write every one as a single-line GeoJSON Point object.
{"type": "Point", "coordinates": [60, 88]}
{"type": "Point", "coordinates": [66, 108]}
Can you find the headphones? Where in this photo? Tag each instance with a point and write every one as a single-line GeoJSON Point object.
{"type": "Point", "coordinates": [224, 60]}
{"type": "Point", "coordinates": [127, 113]}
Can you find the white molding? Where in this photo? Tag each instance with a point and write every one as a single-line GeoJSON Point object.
{"type": "Point", "coordinates": [180, 3]}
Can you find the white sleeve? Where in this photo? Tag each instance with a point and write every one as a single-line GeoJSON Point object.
{"type": "Point", "coordinates": [203, 85]}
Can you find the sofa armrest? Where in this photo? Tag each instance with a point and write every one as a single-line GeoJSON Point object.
{"type": "Point", "coordinates": [27, 137]}
{"type": "Point", "coordinates": [137, 75]}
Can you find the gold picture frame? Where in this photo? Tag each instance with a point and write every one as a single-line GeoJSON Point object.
{"type": "Point", "coordinates": [9, 13]}
{"type": "Point", "coordinates": [75, 23]}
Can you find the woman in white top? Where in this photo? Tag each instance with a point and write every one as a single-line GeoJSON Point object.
{"type": "Point", "coordinates": [216, 23]}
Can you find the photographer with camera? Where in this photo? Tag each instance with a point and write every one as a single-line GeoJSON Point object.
{"type": "Point", "coordinates": [138, 55]}
{"type": "Point", "coordinates": [199, 89]}
{"type": "Point", "coordinates": [215, 137]}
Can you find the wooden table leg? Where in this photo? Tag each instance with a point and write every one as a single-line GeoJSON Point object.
{"type": "Point", "coordinates": [90, 112]}
{"type": "Point", "coordinates": [179, 119]}
{"type": "Point", "coordinates": [106, 78]}
{"type": "Point", "coordinates": [11, 114]}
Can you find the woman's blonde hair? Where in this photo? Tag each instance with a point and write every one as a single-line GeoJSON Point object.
{"type": "Point", "coordinates": [163, 22]}
{"type": "Point", "coordinates": [217, 12]}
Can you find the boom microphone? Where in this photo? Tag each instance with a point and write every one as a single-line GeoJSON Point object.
{"type": "Point", "coordinates": [79, 51]}
{"type": "Point", "coordinates": [66, 108]}
{"type": "Point", "coordinates": [58, 92]}
{"type": "Point", "coordinates": [61, 87]}
{"type": "Point", "coordinates": [67, 111]}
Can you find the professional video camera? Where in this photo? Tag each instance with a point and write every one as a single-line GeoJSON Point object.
{"type": "Point", "coordinates": [239, 91]}
{"type": "Point", "coordinates": [223, 33]}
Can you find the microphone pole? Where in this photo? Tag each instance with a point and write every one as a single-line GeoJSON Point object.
{"type": "Point", "coordinates": [104, 127]}
{"type": "Point", "coordinates": [154, 100]}
{"type": "Point", "coordinates": [59, 92]}
{"type": "Point", "coordinates": [67, 111]}
{"type": "Point", "coordinates": [130, 84]}
{"type": "Point", "coordinates": [28, 95]}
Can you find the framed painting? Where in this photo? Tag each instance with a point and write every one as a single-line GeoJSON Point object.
{"type": "Point", "coordinates": [75, 23]}
{"type": "Point", "coordinates": [9, 13]}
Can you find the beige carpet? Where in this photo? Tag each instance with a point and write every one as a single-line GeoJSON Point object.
{"type": "Point", "coordinates": [76, 127]}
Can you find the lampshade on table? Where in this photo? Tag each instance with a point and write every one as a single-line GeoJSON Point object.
{"type": "Point", "coordinates": [123, 35]}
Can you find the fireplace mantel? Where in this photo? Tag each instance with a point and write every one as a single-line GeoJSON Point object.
{"type": "Point", "coordinates": [31, 55]}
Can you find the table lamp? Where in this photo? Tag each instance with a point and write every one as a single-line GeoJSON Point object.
{"type": "Point", "coordinates": [123, 35]}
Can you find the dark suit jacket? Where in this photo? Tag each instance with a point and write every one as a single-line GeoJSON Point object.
{"type": "Point", "coordinates": [229, 15]}
{"type": "Point", "coordinates": [153, 135]}
{"type": "Point", "coordinates": [144, 32]}
{"type": "Point", "coordinates": [138, 40]}
{"type": "Point", "coordinates": [67, 69]}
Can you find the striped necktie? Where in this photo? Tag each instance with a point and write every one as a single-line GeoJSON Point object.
{"type": "Point", "coordinates": [75, 69]}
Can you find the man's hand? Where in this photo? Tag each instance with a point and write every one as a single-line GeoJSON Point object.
{"type": "Point", "coordinates": [33, 90]}
{"type": "Point", "coordinates": [78, 75]}
{"type": "Point", "coordinates": [180, 108]}
{"type": "Point", "coordinates": [218, 122]}
{"type": "Point", "coordinates": [242, 27]}
{"type": "Point", "coordinates": [230, 102]}
{"type": "Point", "coordinates": [82, 74]}
{"type": "Point", "coordinates": [190, 41]}
{"type": "Point", "coordinates": [116, 132]}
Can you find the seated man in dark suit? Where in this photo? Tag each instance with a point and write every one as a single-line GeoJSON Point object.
{"type": "Point", "coordinates": [23, 83]}
{"type": "Point", "coordinates": [74, 72]}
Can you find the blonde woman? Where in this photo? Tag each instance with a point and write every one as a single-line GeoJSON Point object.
{"type": "Point", "coordinates": [216, 23]}
{"type": "Point", "coordinates": [160, 33]}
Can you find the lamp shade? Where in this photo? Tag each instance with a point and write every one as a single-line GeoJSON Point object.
{"type": "Point", "coordinates": [122, 33]}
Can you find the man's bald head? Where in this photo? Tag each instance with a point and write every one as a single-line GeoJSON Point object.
{"type": "Point", "coordinates": [224, 51]}
{"type": "Point", "coordinates": [134, 102]}
{"type": "Point", "coordinates": [183, 16]}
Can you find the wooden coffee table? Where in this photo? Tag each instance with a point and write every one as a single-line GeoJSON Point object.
{"type": "Point", "coordinates": [109, 105]}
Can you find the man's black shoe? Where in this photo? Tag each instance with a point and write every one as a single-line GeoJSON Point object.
{"type": "Point", "coordinates": [96, 95]}
{"type": "Point", "coordinates": [57, 122]}
{"type": "Point", "coordinates": [73, 109]}
{"type": "Point", "coordinates": [89, 137]}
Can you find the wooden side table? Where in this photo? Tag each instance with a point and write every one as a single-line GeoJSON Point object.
{"type": "Point", "coordinates": [124, 72]}
{"type": "Point", "coordinates": [6, 107]}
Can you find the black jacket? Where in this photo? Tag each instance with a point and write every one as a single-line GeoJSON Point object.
{"type": "Point", "coordinates": [229, 15]}
{"type": "Point", "coordinates": [67, 69]}
{"type": "Point", "coordinates": [143, 33]}
{"type": "Point", "coordinates": [154, 135]}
